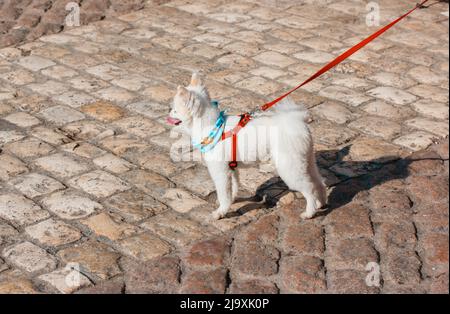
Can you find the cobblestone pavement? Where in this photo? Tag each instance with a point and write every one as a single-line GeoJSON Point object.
{"type": "Point", "coordinates": [91, 202]}
{"type": "Point", "coordinates": [27, 20]}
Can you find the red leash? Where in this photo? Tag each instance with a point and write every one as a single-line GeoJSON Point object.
{"type": "Point", "coordinates": [246, 117]}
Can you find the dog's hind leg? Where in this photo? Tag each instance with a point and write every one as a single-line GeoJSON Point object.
{"type": "Point", "coordinates": [307, 180]}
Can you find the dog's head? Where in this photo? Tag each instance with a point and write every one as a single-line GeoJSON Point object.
{"type": "Point", "coordinates": [189, 103]}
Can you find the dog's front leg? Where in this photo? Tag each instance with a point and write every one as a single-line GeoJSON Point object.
{"type": "Point", "coordinates": [221, 175]}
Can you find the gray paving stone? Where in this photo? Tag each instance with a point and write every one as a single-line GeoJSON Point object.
{"type": "Point", "coordinates": [69, 204]}
{"type": "Point", "coordinates": [61, 115]}
{"type": "Point", "coordinates": [393, 95]}
{"type": "Point", "coordinates": [10, 167]}
{"type": "Point", "coordinates": [53, 232]}
{"type": "Point", "coordinates": [29, 257]}
{"type": "Point", "coordinates": [99, 183]}
{"type": "Point", "coordinates": [35, 184]}
{"type": "Point", "coordinates": [35, 63]}
{"type": "Point", "coordinates": [20, 210]}
{"type": "Point", "coordinates": [28, 147]}
{"type": "Point", "coordinates": [22, 119]}
{"type": "Point", "coordinates": [61, 165]}
{"type": "Point", "coordinates": [65, 280]}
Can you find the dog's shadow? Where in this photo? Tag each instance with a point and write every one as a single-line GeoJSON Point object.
{"type": "Point", "coordinates": [349, 179]}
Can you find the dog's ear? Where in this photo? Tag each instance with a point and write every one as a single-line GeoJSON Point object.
{"type": "Point", "coordinates": [190, 100]}
{"type": "Point", "coordinates": [183, 92]}
{"type": "Point", "coordinates": [196, 79]}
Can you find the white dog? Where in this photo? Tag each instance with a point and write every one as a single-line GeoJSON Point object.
{"type": "Point", "coordinates": [280, 134]}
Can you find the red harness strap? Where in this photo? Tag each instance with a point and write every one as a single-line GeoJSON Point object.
{"type": "Point", "coordinates": [233, 163]}
{"type": "Point", "coordinates": [246, 117]}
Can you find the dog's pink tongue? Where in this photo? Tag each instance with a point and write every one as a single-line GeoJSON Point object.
{"type": "Point", "coordinates": [173, 121]}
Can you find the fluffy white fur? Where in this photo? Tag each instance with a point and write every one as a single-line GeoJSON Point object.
{"type": "Point", "coordinates": [281, 134]}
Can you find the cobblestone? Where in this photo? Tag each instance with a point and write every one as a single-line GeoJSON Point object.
{"type": "Point", "coordinates": [34, 184]}
{"type": "Point", "coordinates": [58, 281]}
{"type": "Point", "coordinates": [35, 63]}
{"type": "Point", "coordinates": [87, 256]}
{"type": "Point", "coordinates": [26, 21]}
{"type": "Point", "coordinates": [10, 167]}
{"type": "Point", "coordinates": [99, 183]}
{"type": "Point", "coordinates": [61, 165]}
{"type": "Point", "coordinates": [302, 275]}
{"type": "Point", "coordinates": [212, 282]}
{"type": "Point", "coordinates": [17, 285]}
{"type": "Point", "coordinates": [20, 210]}
{"type": "Point", "coordinates": [104, 225]}
{"type": "Point", "coordinates": [144, 247]}
{"type": "Point", "coordinates": [28, 147]}
{"type": "Point", "coordinates": [88, 178]}
{"type": "Point", "coordinates": [29, 258]}
{"type": "Point", "coordinates": [158, 276]}
{"type": "Point", "coordinates": [61, 115]}
{"type": "Point", "coordinates": [392, 95]}
{"type": "Point", "coordinates": [53, 232]}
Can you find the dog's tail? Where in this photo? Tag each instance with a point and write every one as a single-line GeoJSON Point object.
{"type": "Point", "coordinates": [291, 121]}
{"type": "Point", "coordinates": [288, 106]}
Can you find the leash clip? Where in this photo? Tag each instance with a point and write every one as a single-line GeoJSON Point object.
{"type": "Point", "coordinates": [245, 118]}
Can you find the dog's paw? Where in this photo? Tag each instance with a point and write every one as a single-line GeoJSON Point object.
{"type": "Point", "coordinates": [306, 215]}
{"type": "Point", "coordinates": [215, 215]}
